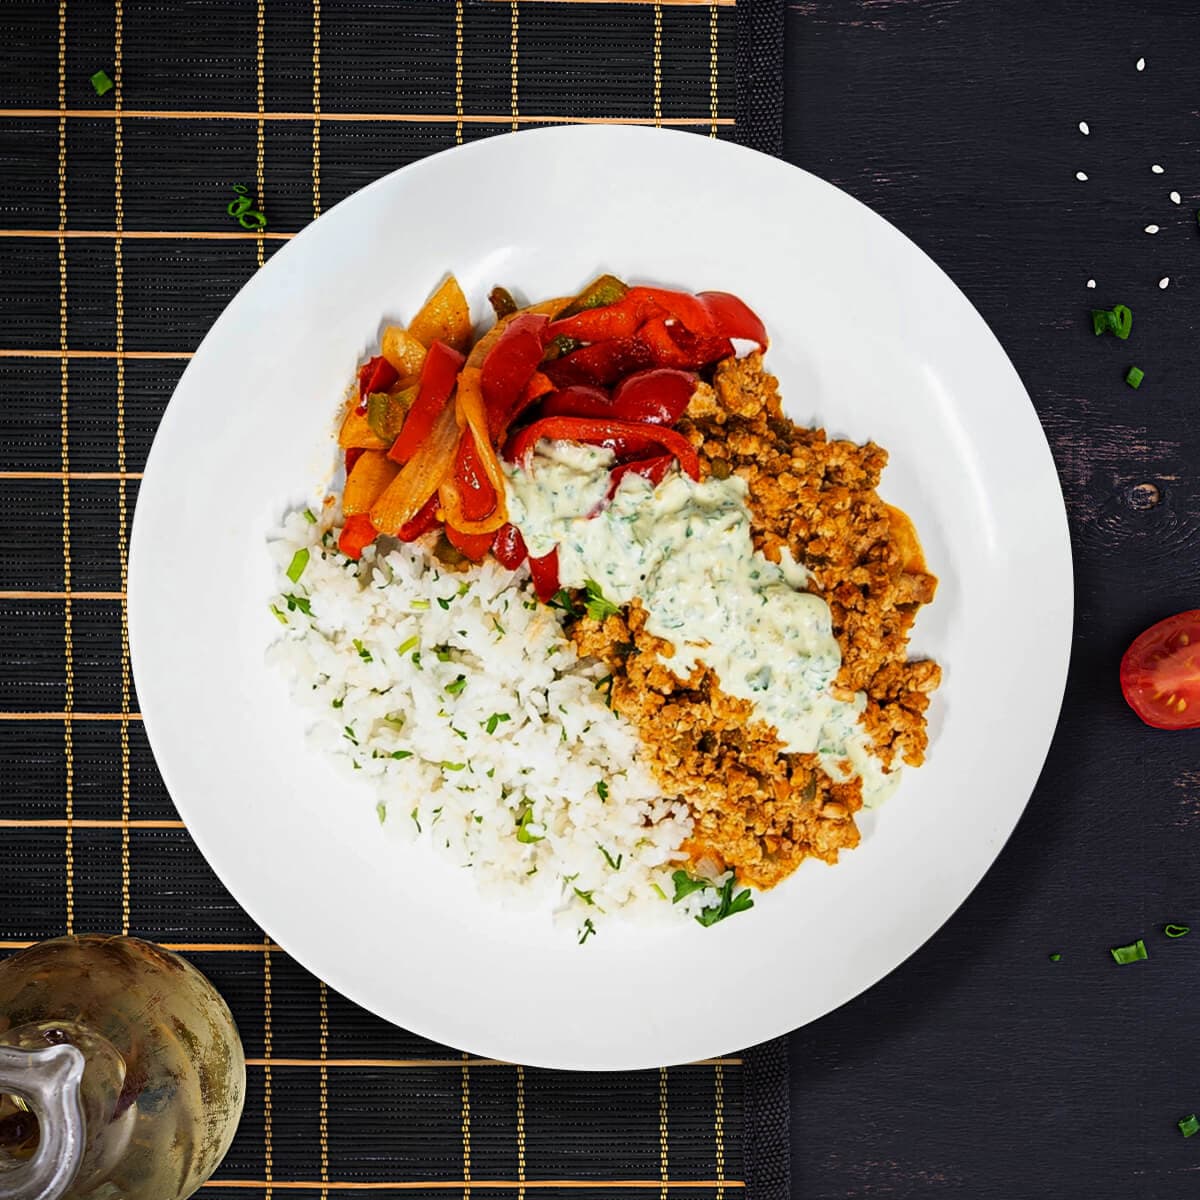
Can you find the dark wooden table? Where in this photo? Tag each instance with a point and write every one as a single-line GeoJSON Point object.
{"type": "Point", "coordinates": [980, 1068]}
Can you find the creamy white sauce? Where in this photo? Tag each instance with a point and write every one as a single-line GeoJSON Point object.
{"type": "Point", "coordinates": [684, 549]}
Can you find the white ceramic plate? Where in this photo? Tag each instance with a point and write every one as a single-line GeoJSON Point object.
{"type": "Point", "coordinates": [869, 338]}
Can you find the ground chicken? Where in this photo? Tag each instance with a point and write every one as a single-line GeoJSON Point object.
{"type": "Point", "coordinates": [757, 809]}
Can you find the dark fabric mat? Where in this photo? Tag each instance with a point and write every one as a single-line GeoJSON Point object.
{"type": "Point", "coordinates": [337, 1097]}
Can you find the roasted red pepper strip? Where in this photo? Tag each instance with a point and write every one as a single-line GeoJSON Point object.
{"type": "Point", "coordinates": [375, 375]}
{"type": "Point", "coordinates": [473, 545]}
{"type": "Point", "coordinates": [654, 469]}
{"type": "Point", "coordinates": [656, 344]}
{"type": "Point", "coordinates": [623, 437]}
{"type": "Point", "coordinates": [352, 456]}
{"type": "Point", "coordinates": [356, 535]}
{"type": "Point", "coordinates": [438, 376]}
{"type": "Point", "coordinates": [659, 395]}
{"type": "Point", "coordinates": [544, 572]}
{"type": "Point", "coordinates": [709, 314]}
{"type": "Point", "coordinates": [509, 366]}
{"type": "Point", "coordinates": [578, 400]}
{"type": "Point", "coordinates": [509, 547]}
{"type": "Point", "coordinates": [422, 523]}
{"type": "Point", "coordinates": [478, 495]}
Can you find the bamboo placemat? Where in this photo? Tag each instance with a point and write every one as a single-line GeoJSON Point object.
{"type": "Point", "coordinates": [116, 253]}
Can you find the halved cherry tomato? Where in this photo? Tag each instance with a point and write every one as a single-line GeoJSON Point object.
{"type": "Point", "coordinates": [1160, 673]}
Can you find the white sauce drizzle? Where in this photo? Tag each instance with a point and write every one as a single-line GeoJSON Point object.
{"type": "Point", "coordinates": [684, 549]}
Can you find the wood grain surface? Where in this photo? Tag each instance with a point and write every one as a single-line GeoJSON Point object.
{"type": "Point", "coordinates": [980, 1068]}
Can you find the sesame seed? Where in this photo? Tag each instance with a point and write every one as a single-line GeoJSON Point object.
{"type": "Point", "coordinates": [1081, 176]}
{"type": "Point", "coordinates": [1083, 128]}
{"type": "Point", "coordinates": [1174, 197]}
{"type": "Point", "coordinates": [1157, 169]}
{"type": "Point", "coordinates": [1141, 64]}
{"type": "Point", "coordinates": [1151, 228]}
{"type": "Point", "coordinates": [1091, 283]}
{"type": "Point", "coordinates": [1166, 279]}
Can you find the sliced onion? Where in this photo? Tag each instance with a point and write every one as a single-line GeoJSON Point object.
{"type": "Point", "coordinates": [421, 476]}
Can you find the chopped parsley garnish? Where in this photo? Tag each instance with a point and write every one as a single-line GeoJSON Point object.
{"type": "Point", "coordinates": [457, 686]}
{"type": "Point", "coordinates": [605, 685]}
{"type": "Point", "coordinates": [363, 652]}
{"type": "Point", "coordinates": [278, 615]}
{"type": "Point", "coordinates": [309, 516]}
{"type": "Point", "coordinates": [1177, 931]}
{"type": "Point", "coordinates": [381, 812]}
{"type": "Point", "coordinates": [458, 733]}
{"type": "Point", "coordinates": [400, 754]}
{"type": "Point", "coordinates": [443, 653]}
{"type": "Point", "coordinates": [297, 565]}
{"type": "Point", "coordinates": [494, 720]}
{"type": "Point", "coordinates": [499, 627]}
{"type": "Point", "coordinates": [661, 894]}
{"type": "Point", "coordinates": [562, 599]}
{"type": "Point", "coordinates": [410, 644]}
{"type": "Point", "coordinates": [416, 659]}
{"type": "Point", "coordinates": [416, 822]}
{"type": "Point", "coordinates": [348, 734]}
{"type": "Point", "coordinates": [101, 83]}
{"type": "Point", "coordinates": [727, 903]}
{"type": "Point", "coordinates": [443, 603]}
{"type": "Point", "coordinates": [1118, 321]}
{"type": "Point", "coordinates": [588, 929]}
{"type": "Point", "coordinates": [338, 702]}
{"type": "Point", "coordinates": [608, 858]}
{"type": "Point", "coordinates": [453, 766]}
{"type": "Point", "coordinates": [1134, 377]}
{"type": "Point", "coordinates": [298, 602]}
{"type": "Point", "coordinates": [1134, 952]}
{"type": "Point", "coordinates": [419, 605]}
{"type": "Point", "coordinates": [1056, 957]}
{"type": "Point", "coordinates": [602, 790]}
{"type": "Point", "coordinates": [1189, 1125]}
{"type": "Point", "coordinates": [523, 832]}
{"type": "Point", "coordinates": [463, 588]}
{"type": "Point", "coordinates": [586, 897]}
{"type": "Point", "coordinates": [598, 608]}
{"type": "Point", "coordinates": [685, 885]}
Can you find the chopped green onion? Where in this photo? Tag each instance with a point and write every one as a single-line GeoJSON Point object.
{"type": "Point", "coordinates": [608, 858]}
{"type": "Point", "coordinates": [297, 565]}
{"type": "Point", "coordinates": [416, 659]}
{"type": "Point", "coordinates": [348, 734]}
{"type": "Point", "coordinates": [101, 82]}
{"type": "Point", "coordinates": [1177, 931]}
{"type": "Point", "coordinates": [586, 897]}
{"type": "Point", "coordinates": [588, 927]}
{"type": "Point", "coordinates": [399, 755]}
{"type": "Point", "coordinates": [408, 645]}
{"type": "Point", "coordinates": [443, 653]}
{"type": "Point", "coordinates": [1056, 957]}
{"type": "Point", "coordinates": [457, 686]}
{"type": "Point", "coordinates": [417, 823]}
{"type": "Point", "coordinates": [278, 615]}
{"type": "Point", "coordinates": [1134, 952]}
{"type": "Point", "coordinates": [463, 588]}
{"type": "Point", "coordinates": [363, 652]}
{"type": "Point", "coordinates": [458, 733]}
{"type": "Point", "coordinates": [443, 603]}
{"type": "Point", "coordinates": [598, 608]}
{"type": "Point", "coordinates": [499, 627]}
{"type": "Point", "coordinates": [1118, 321]}
{"type": "Point", "coordinates": [524, 836]}
{"type": "Point", "coordinates": [494, 720]}
{"type": "Point", "coordinates": [661, 894]}
{"type": "Point", "coordinates": [1134, 377]}
{"type": "Point", "coordinates": [1189, 1125]}
{"type": "Point", "coordinates": [309, 516]}
{"type": "Point", "coordinates": [381, 811]}
{"type": "Point", "coordinates": [602, 790]}
{"type": "Point", "coordinates": [420, 605]}
{"type": "Point", "coordinates": [337, 703]}
{"type": "Point", "coordinates": [453, 766]}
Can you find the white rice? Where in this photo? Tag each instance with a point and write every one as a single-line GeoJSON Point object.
{"type": "Point", "coordinates": [520, 770]}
